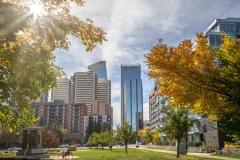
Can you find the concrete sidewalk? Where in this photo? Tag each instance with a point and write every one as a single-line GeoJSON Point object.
{"type": "Point", "coordinates": [60, 157]}
{"type": "Point", "coordinates": [207, 155]}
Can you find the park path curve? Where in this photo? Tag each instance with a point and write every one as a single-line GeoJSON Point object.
{"type": "Point", "coordinates": [207, 155]}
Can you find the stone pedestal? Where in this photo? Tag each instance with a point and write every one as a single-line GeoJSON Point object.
{"type": "Point", "coordinates": [32, 144]}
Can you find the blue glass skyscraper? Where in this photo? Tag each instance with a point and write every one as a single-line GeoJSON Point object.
{"type": "Point", "coordinates": [132, 96]}
{"type": "Point", "coordinates": [100, 69]}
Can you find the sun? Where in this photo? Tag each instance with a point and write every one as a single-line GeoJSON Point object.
{"type": "Point", "coordinates": [36, 9]}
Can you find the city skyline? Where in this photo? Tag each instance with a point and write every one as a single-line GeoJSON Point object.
{"type": "Point", "coordinates": [132, 29]}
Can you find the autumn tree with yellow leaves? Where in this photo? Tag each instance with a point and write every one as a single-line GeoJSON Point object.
{"type": "Point", "coordinates": [29, 33]}
{"type": "Point", "coordinates": [187, 75]}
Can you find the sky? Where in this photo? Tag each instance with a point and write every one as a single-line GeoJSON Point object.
{"type": "Point", "coordinates": [133, 27]}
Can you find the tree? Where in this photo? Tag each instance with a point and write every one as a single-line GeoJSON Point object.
{"type": "Point", "coordinates": [94, 139]}
{"type": "Point", "coordinates": [59, 130]}
{"type": "Point", "coordinates": [156, 137]}
{"type": "Point", "coordinates": [50, 138]}
{"type": "Point", "coordinates": [105, 138]}
{"type": "Point", "coordinates": [230, 124]}
{"type": "Point", "coordinates": [10, 138]}
{"type": "Point", "coordinates": [90, 141]}
{"type": "Point", "coordinates": [93, 127]}
{"type": "Point", "coordinates": [125, 134]}
{"type": "Point", "coordinates": [188, 76]}
{"type": "Point", "coordinates": [102, 138]}
{"type": "Point", "coordinates": [177, 125]}
{"type": "Point", "coordinates": [27, 42]}
{"type": "Point", "coordinates": [146, 135]}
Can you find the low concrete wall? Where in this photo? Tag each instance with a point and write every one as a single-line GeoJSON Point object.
{"type": "Point", "coordinates": [231, 151]}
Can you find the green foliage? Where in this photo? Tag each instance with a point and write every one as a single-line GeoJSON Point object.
{"type": "Point", "coordinates": [230, 124]}
{"type": "Point", "coordinates": [96, 127]}
{"type": "Point", "coordinates": [125, 134]}
{"type": "Point", "coordinates": [177, 125]}
{"type": "Point", "coordinates": [104, 138]}
{"type": "Point", "coordinates": [27, 62]}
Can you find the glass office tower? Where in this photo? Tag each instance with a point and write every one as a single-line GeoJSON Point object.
{"type": "Point", "coordinates": [132, 96]}
{"type": "Point", "coordinates": [100, 69]}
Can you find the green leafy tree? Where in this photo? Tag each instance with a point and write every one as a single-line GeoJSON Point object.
{"type": "Point", "coordinates": [177, 125]}
{"type": "Point", "coordinates": [27, 42]}
{"type": "Point", "coordinates": [230, 124]}
{"type": "Point", "coordinates": [125, 134]}
{"type": "Point", "coordinates": [95, 139]}
{"type": "Point", "coordinates": [105, 138]}
{"type": "Point", "coordinates": [93, 127]}
{"type": "Point", "coordinates": [90, 141]}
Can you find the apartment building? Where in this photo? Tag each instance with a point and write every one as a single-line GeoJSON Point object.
{"type": "Point", "coordinates": [69, 116]}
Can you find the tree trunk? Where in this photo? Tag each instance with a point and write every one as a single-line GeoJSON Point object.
{"type": "Point", "coordinates": [126, 147]}
{"type": "Point", "coordinates": [178, 142]}
{"type": "Point", "coordinates": [102, 146]}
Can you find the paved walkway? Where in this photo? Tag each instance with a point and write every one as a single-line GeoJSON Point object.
{"type": "Point", "coordinates": [60, 157]}
{"type": "Point", "coordinates": [191, 154]}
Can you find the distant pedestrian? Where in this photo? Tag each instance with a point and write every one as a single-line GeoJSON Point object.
{"type": "Point", "coordinates": [65, 154]}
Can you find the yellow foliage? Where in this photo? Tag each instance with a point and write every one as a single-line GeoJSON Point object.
{"type": "Point", "coordinates": [188, 76]}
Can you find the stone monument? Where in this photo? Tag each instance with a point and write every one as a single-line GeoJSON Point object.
{"type": "Point", "coordinates": [32, 144]}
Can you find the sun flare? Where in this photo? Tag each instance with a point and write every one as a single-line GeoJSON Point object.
{"type": "Point", "coordinates": [36, 9]}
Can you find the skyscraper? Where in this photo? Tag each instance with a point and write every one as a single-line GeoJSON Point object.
{"type": "Point", "coordinates": [85, 88]}
{"type": "Point", "coordinates": [104, 91]}
{"type": "Point", "coordinates": [132, 96]}
{"type": "Point", "coordinates": [100, 69]}
{"type": "Point", "coordinates": [63, 90]}
{"type": "Point", "coordinates": [104, 85]}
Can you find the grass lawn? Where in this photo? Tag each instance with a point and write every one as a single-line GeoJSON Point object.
{"type": "Point", "coordinates": [226, 155]}
{"type": "Point", "coordinates": [133, 154]}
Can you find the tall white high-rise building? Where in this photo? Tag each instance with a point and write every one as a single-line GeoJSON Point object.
{"type": "Point", "coordinates": [85, 88]}
{"type": "Point", "coordinates": [63, 91]}
{"type": "Point", "coordinates": [104, 85]}
{"type": "Point", "coordinates": [104, 91]}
